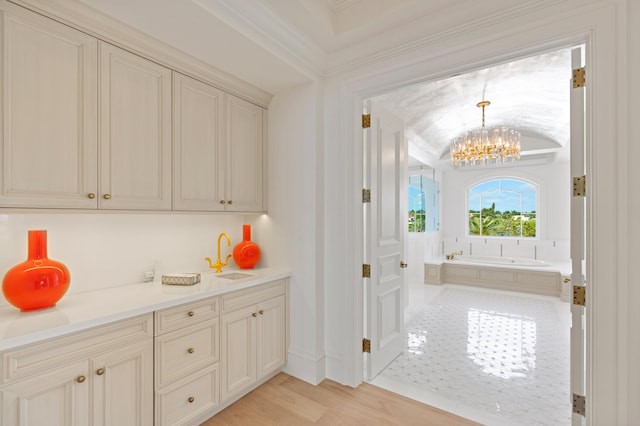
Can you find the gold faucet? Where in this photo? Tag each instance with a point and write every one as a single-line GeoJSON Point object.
{"type": "Point", "coordinates": [454, 254]}
{"type": "Point", "coordinates": [219, 264]}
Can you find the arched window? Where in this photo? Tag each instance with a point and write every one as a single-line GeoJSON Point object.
{"type": "Point", "coordinates": [503, 207]}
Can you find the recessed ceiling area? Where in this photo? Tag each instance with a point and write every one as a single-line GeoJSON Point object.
{"type": "Point", "coordinates": [530, 95]}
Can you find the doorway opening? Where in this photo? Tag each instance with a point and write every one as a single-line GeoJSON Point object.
{"type": "Point", "coordinates": [429, 109]}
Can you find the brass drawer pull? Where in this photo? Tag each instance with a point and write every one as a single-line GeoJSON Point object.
{"type": "Point", "coordinates": [191, 313]}
{"type": "Point", "coordinates": [230, 202]}
{"type": "Point", "coordinates": [107, 196]}
{"type": "Point", "coordinates": [254, 314]}
{"type": "Point", "coordinates": [191, 399]}
{"type": "Point", "coordinates": [222, 201]}
{"type": "Point", "coordinates": [92, 195]}
{"type": "Point", "coordinates": [100, 371]}
{"type": "Point", "coordinates": [261, 311]}
{"type": "Point", "coordinates": [81, 379]}
{"type": "Point", "coordinates": [191, 350]}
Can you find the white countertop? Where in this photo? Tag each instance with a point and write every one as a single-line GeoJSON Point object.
{"type": "Point", "coordinates": [76, 312]}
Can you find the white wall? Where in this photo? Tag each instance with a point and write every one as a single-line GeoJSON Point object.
{"type": "Point", "coordinates": [553, 211]}
{"type": "Point", "coordinates": [103, 250]}
{"type": "Point", "coordinates": [294, 226]}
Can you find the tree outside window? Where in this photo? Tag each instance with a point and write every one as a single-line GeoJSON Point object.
{"type": "Point", "coordinates": [503, 208]}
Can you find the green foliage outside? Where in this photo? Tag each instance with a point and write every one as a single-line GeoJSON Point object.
{"type": "Point", "coordinates": [417, 221]}
{"type": "Point", "coordinates": [502, 224]}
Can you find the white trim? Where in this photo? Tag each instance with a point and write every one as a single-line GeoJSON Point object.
{"type": "Point", "coordinates": [597, 27]}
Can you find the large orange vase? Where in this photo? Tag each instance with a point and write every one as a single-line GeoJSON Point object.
{"type": "Point", "coordinates": [38, 282]}
{"type": "Point", "coordinates": [246, 253]}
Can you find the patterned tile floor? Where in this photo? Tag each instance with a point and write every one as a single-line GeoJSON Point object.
{"type": "Point", "coordinates": [499, 358]}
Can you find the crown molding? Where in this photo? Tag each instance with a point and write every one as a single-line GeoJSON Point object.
{"type": "Point", "coordinates": [261, 24]}
{"type": "Point", "coordinates": [95, 23]}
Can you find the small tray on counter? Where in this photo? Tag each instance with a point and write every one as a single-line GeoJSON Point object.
{"type": "Point", "coordinates": [181, 279]}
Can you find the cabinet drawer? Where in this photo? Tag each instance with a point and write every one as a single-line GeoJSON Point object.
{"type": "Point", "coordinates": [189, 398]}
{"type": "Point", "coordinates": [185, 315]}
{"type": "Point", "coordinates": [185, 351]}
{"type": "Point", "coordinates": [36, 358]}
{"type": "Point", "coordinates": [251, 296]}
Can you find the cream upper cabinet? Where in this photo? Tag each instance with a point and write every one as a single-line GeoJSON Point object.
{"type": "Point", "coordinates": [135, 131]}
{"type": "Point", "coordinates": [198, 147]}
{"type": "Point", "coordinates": [218, 149]}
{"type": "Point", "coordinates": [49, 113]}
{"type": "Point", "coordinates": [244, 156]}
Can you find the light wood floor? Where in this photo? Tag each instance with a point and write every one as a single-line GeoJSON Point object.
{"type": "Point", "coordinates": [285, 400]}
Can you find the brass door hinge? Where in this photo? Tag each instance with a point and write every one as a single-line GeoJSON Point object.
{"type": "Point", "coordinates": [580, 186]}
{"type": "Point", "coordinates": [366, 271]}
{"type": "Point", "coordinates": [366, 121]}
{"type": "Point", "coordinates": [579, 295]}
{"type": "Point", "coordinates": [366, 345]}
{"type": "Point", "coordinates": [579, 79]}
{"type": "Point", "coordinates": [579, 404]}
{"type": "Point", "coordinates": [366, 195]}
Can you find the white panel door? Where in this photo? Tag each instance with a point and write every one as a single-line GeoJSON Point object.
{"type": "Point", "coordinates": [578, 330]}
{"type": "Point", "coordinates": [49, 113]}
{"type": "Point", "coordinates": [198, 145]}
{"type": "Point", "coordinates": [244, 152]}
{"type": "Point", "coordinates": [385, 229]}
{"type": "Point", "coordinates": [135, 132]}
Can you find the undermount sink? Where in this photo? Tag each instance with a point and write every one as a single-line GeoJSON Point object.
{"type": "Point", "coordinates": [234, 276]}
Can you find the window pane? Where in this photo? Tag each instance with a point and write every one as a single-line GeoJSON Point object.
{"type": "Point", "coordinates": [503, 207]}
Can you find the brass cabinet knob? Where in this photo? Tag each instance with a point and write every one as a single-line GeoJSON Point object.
{"type": "Point", "coordinates": [254, 314]}
{"type": "Point", "coordinates": [222, 201]}
{"type": "Point", "coordinates": [230, 202]}
{"type": "Point", "coordinates": [403, 265]}
{"type": "Point", "coordinates": [261, 311]}
{"type": "Point", "coordinates": [91, 195]}
{"type": "Point", "coordinates": [81, 379]}
{"type": "Point", "coordinates": [107, 196]}
{"type": "Point", "coordinates": [566, 280]}
{"type": "Point", "coordinates": [191, 313]}
{"type": "Point", "coordinates": [191, 399]}
{"type": "Point", "coordinates": [100, 371]}
{"type": "Point", "coordinates": [191, 350]}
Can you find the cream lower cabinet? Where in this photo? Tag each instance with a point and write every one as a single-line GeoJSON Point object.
{"type": "Point", "coordinates": [102, 376]}
{"type": "Point", "coordinates": [253, 333]}
{"type": "Point", "coordinates": [187, 362]}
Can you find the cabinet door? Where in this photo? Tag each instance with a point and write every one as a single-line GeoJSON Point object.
{"type": "Point", "coordinates": [59, 397]}
{"type": "Point", "coordinates": [271, 336]}
{"type": "Point", "coordinates": [135, 132]}
{"type": "Point", "coordinates": [198, 145]}
{"type": "Point", "coordinates": [244, 184]}
{"type": "Point", "coordinates": [48, 142]}
{"type": "Point", "coordinates": [237, 351]}
{"type": "Point", "coordinates": [122, 382]}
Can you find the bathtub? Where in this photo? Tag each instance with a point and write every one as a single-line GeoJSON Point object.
{"type": "Point", "coordinates": [494, 260]}
{"type": "Point", "coordinates": [502, 273]}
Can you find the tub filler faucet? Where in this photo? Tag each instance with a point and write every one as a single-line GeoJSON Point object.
{"type": "Point", "coordinates": [218, 265]}
{"type": "Point", "coordinates": [454, 254]}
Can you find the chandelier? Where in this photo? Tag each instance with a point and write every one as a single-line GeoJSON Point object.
{"type": "Point", "coordinates": [485, 147]}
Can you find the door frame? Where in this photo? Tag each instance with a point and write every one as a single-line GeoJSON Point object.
{"type": "Point", "coordinates": [602, 258]}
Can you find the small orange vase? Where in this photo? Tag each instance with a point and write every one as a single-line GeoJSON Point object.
{"type": "Point", "coordinates": [246, 253]}
{"type": "Point", "coordinates": [38, 282]}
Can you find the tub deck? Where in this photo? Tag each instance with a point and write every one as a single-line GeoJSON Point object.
{"type": "Point", "coordinates": [547, 280]}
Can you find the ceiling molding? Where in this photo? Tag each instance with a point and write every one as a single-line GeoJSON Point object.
{"type": "Point", "coordinates": [258, 22]}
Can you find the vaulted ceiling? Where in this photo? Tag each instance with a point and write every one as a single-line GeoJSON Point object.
{"type": "Point", "coordinates": [277, 44]}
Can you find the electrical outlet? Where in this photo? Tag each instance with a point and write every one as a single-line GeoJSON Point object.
{"type": "Point", "coordinates": [148, 276]}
